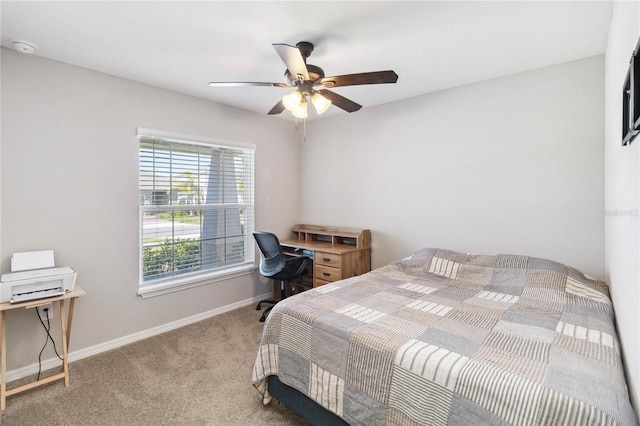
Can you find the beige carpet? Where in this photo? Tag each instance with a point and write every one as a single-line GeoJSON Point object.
{"type": "Point", "coordinates": [196, 375]}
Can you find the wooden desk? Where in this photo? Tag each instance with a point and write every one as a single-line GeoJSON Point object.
{"type": "Point", "coordinates": [337, 253]}
{"type": "Point", "coordinates": [66, 334]}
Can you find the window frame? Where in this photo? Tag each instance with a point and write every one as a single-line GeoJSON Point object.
{"type": "Point", "coordinates": [194, 279]}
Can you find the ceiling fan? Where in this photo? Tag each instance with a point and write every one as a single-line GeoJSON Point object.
{"type": "Point", "coordinates": [310, 82]}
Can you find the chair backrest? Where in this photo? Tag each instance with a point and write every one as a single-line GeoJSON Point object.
{"type": "Point", "coordinates": [272, 259]}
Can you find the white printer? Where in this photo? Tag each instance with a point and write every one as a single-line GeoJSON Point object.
{"type": "Point", "coordinates": [34, 276]}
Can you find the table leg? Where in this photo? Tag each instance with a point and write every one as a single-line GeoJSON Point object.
{"type": "Point", "coordinates": [66, 341]}
{"type": "Point", "coordinates": [65, 347]}
{"type": "Point", "coordinates": [69, 319]}
{"type": "Point", "coordinates": [3, 348]}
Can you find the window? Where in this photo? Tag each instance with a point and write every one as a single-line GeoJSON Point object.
{"type": "Point", "coordinates": [196, 211]}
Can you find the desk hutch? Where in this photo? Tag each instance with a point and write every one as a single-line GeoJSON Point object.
{"type": "Point", "coordinates": [337, 253]}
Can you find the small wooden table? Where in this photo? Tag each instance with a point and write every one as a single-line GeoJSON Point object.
{"type": "Point", "coordinates": [66, 334]}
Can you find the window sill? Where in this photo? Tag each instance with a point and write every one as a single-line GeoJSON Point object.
{"type": "Point", "coordinates": [180, 284]}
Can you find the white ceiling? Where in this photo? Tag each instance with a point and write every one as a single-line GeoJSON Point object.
{"type": "Point", "coordinates": [432, 46]}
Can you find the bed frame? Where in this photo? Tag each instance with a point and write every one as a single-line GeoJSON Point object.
{"type": "Point", "coordinates": [302, 405]}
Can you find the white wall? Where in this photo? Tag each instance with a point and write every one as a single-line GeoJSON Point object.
{"type": "Point", "coordinates": [69, 183]}
{"type": "Point", "coordinates": [511, 165]}
{"type": "Point", "coordinates": [622, 190]}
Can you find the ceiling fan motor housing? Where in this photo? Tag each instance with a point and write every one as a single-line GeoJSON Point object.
{"type": "Point", "coordinates": [315, 73]}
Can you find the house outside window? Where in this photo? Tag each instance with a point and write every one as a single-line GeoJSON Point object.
{"type": "Point", "coordinates": [196, 211]}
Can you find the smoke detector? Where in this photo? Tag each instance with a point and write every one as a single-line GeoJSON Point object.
{"type": "Point", "coordinates": [24, 46]}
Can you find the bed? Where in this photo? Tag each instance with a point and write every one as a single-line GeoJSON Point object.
{"type": "Point", "coordinates": [443, 337]}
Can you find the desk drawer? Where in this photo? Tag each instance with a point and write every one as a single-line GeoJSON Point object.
{"type": "Point", "coordinates": [327, 273]}
{"type": "Point", "coordinates": [329, 259]}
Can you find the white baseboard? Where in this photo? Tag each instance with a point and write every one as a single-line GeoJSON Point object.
{"type": "Point", "coordinates": [112, 344]}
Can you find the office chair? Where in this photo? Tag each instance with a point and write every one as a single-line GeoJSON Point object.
{"type": "Point", "coordinates": [275, 265]}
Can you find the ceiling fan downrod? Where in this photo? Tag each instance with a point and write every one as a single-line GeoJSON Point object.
{"type": "Point", "coordinates": [305, 49]}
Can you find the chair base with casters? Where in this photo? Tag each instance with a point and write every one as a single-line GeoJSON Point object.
{"type": "Point", "coordinates": [271, 301]}
{"type": "Point", "coordinates": [298, 286]}
{"type": "Point", "coordinates": [275, 265]}
{"type": "Point", "coordinates": [263, 317]}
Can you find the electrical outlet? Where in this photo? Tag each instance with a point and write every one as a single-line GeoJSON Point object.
{"type": "Point", "coordinates": [41, 312]}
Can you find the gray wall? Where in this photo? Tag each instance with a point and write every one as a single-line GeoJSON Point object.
{"type": "Point", "coordinates": [622, 194]}
{"type": "Point", "coordinates": [70, 183]}
{"type": "Point", "coordinates": [511, 165]}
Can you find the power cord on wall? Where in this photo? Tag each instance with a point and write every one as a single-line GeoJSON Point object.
{"type": "Point", "coordinates": [47, 328]}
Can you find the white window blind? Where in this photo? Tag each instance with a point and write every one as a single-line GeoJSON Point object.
{"type": "Point", "coordinates": [196, 209]}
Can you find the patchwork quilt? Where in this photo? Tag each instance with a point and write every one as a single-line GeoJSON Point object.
{"type": "Point", "coordinates": [443, 337]}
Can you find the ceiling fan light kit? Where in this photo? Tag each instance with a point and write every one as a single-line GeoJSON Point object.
{"type": "Point", "coordinates": [320, 102]}
{"type": "Point", "coordinates": [292, 100]}
{"type": "Point", "coordinates": [296, 102]}
{"type": "Point", "coordinates": [300, 111]}
{"type": "Point", "coordinates": [304, 77]}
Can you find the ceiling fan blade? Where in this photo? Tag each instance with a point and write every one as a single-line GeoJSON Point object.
{"type": "Point", "coordinates": [245, 83]}
{"type": "Point", "coordinates": [293, 59]}
{"type": "Point", "coordinates": [277, 109]}
{"type": "Point", "coordinates": [340, 101]}
{"type": "Point", "coordinates": [375, 77]}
